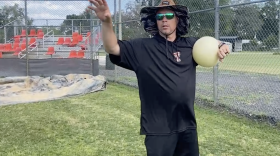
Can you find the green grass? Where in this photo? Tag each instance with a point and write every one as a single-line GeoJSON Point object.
{"type": "Point", "coordinates": [253, 62]}
{"type": "Point", "coordinates": [106, 123]}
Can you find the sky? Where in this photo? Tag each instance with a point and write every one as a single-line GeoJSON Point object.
{"type": "Point", "coordinates": [56, 11]}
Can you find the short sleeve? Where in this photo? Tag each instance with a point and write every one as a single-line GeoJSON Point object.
{"type": "Point", "coordinates": [129, 54]}
{"type": "Point", "coordinates": [192, 41]}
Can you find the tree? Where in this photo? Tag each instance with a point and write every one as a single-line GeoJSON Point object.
{"type": "Point", "coordinates": [14, 15]}
{"type": "Point", "coordinates": [131, 26]}
{"type": "Point", "coordinates": [203, 23]}
{"type": "Point", "coordinates": [78, 20]}
{"type": "Point", "coordinates": [246, 22]}
{"type": "Point", "coordinates": [269, 16]}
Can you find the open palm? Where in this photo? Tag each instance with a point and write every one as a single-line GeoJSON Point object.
{"type": "Point", "coordinates": [101, 10]}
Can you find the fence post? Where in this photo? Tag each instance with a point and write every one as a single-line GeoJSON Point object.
{"type": "Point", "coordinates": [278, 30]}
{"type": "Point", "coordinates": [108, 64]}
{"type": "Point", "coordinates": [91, 41]}
{"type": "Point", "coordinates": [115, 16]}
{"type": "Point", "coordinates": [217, 36]}
{"type": "Point", "coordinates": [120, 20]}
{"type": "Point", "coordinates": [26, 36]}
{"type": "Point", "coordinates": [5, 34]}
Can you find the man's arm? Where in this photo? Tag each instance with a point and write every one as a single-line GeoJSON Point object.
{"type": "Point", "coordinates": [102, 11]}
{"type": "Point", "coordinates": [110, 41]}
{"type": "Point", "coordinates": [122, 53]}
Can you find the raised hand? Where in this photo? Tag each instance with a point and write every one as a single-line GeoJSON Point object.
{"type": "Point", "coordinates": [101, 10]}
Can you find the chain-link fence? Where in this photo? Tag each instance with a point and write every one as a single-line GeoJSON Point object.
{"type": "Point", "coordinates": [48, 37]}
{"type": "Point", "coordinates": [248, 81]}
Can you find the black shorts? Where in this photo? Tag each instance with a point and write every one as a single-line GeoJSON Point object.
{"type": "Point", "coordinates": [180, 144]}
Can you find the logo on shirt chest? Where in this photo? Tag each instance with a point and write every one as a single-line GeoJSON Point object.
{"type": "Point", "coordinates": [177, 56]}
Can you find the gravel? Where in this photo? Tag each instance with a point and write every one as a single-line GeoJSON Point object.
{"type": "Point", "coordinates": [251, 94]}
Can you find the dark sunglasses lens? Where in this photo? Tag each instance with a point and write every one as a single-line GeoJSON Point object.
{"type": "Point", "coordinates": [169, 15]}
{"type": "Point", "coordinates": [159, 16]}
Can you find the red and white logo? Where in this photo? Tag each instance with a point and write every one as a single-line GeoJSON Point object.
{"type": "Point", "coordinates": [177, 56]}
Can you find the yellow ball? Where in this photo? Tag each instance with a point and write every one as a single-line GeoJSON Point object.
{"type": "Point", "coordinates": [205, 51]}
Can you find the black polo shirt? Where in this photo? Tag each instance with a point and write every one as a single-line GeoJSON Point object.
{"type": "Point", "coordinates": [166, 74]}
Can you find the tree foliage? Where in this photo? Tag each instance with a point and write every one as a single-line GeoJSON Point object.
{"type": "Point", "coordinates": [13, 15]}
{"type": "Point", "coordinates": [254, 22]}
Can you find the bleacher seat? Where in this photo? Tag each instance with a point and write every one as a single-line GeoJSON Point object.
{"type": "Point", "coordinates": [32, 42]}
{"type": "Point", "coordinates": [73, 54]}
{"type": "Point", "coordinates": [50, 51]}
{"type": "Point", "coordinates": [1, 55]}
{"type": "Point", "coordinates": [74, 42]}
{"type": "Point", "coordinates": [2, 47]}
{"type": "Point", "coordinates": [8, 47]}
{"type": "Point", "coordinates": [83, 47]}
{"type": "Point", "coordinates": [15, 45]}
{"type": "Point", "coordinates": [23, 33]}
{"type": "Point", "coordinates": [40, 35]}
{"type": "Point", "coordinates": [16, 40]}
{"type": "Point", "coordinates": [75, 34]}
{"type": "Point", "coordinates": [23, 41]}
{"type": "Point", "coordinates": [67, 41]}
{"type": "Point", "coordinates": [32, 33]}
{"type": "Point", "coordinates": [39, 30]}
{"type": "Point", "coordinates": [23, 46]}
{"type": "Point", "coordinates": [17, 51]}
{"type": "Point", "coordinates": [81, 54]}
{"type": "Point", "coordinates": [80, 38]}
{"type": "Point", "coordinates": [88, 34]}
{"type": "Point", "coordinates": [60, 41]}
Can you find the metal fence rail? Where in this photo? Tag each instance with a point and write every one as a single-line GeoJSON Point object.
{"type": "Point", "coordinates": [48, 37]}
{"type": "Point", "coordinates": [247, 82]}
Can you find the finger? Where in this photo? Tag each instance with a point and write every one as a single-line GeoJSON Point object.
{"type": "Point", "coordinates": [105, 3]}
{"type": "Point", "coordinates": [228, 51]}
{"type": "Point", "coordinates": [92, 8]}
{"type": "Point", "coordinates": [100, 2]}
{"type": "Point", "coordinates": [223, 52]}
{"type": "Point", "coordinates": [220, 55]}
{"type": "Point", "coordinates": [94, 3]}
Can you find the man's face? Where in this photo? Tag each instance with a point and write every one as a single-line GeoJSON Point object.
{"type": "Point", "coordinates": [166, 21]}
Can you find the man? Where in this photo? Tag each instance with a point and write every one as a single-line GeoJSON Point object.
{"type": "Point", "coordinates": [166, 73]}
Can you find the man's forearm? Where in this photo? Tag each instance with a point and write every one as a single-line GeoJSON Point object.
{"type": "Point", "coordinates": [109, 39]}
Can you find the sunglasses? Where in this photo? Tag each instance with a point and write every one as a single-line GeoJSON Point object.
{"type": "Point", "coordinates": [169, 16]}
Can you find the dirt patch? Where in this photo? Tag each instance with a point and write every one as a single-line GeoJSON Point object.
{"type": "Point", "coordinates": [33, 89]}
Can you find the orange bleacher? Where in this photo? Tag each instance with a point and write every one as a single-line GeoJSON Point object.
{"type": "Point", "coordinates": [73, 54]}
{"type": "Point", "coordinates": [60, 41]}
{"type": "Point", "coordinates": [50, 51]}
{"type": "Point", "coordinates": [76, 40]}
{"type": "Point", "coordinates": [8, 47]}
{"type": "Point", "coordinates": [23, 46]}
{"type": "Point", "coordinates": [32, 42]}
{"type": "Point", "coordinates": [81, 54]}
{"type": "Point", "coordinates": [23, 33]}
{"type": "Point", "coordinates": [67, 41]}
{"type": "Point", "coordinates": [32, 33]}
{"type": "Point", "coordinates": [17, 51]}
{"type": "Point", "coordinates": [40, 35]}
